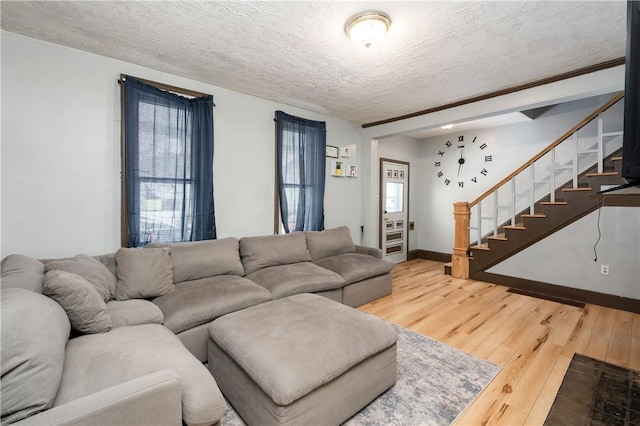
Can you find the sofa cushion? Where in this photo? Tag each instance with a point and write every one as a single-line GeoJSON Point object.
{"type": "Point", "coordinates": [354, 267]}
{"type": "Point", "coordinates": [303, 277]}
{"type": "Point", "coordinates": [35, 330]}
{"type": "Point", "coordinates": [143, 273]}
{"type": "Point", "coordinates": [196, 302]}
{"type": "Point", "coordinates": [272, 250]}
{"type": "Point", "coordinates": [329, 242]}
{"type": "Point", "coordinates": [90, 269]}
{"type": "Point", "coordinates": [101, 361]}
{"type": "Point", "coordinates": [134, 312]}
{"type": "Point", "coordinates": [81, 301]}
{"type": "Point", "coordinates": [108, 260]}
{"type": "Point", "coordinates": [203, 259]}
{"type": "Point", "coordinates": [20, 271]}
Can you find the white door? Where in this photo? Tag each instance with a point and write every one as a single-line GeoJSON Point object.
{"type": "Point", "coordinates": [394, 209]}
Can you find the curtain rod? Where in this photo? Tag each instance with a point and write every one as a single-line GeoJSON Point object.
{"type": "Point", "coordinates": [167, 87]}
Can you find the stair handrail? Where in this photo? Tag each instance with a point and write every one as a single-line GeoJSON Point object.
{"type": "Point", "coordinates": [557, 142]}
{"type": "Point", "coordinates": [462, 209]}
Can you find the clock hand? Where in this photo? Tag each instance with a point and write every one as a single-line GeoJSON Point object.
{"type": "Point", "coordinates": [460, 163]}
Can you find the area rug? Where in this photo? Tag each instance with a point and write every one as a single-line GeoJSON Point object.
{"type": "Point", "coordinates": [436, 382]}
{"type": "Point", "coordinates": [594, 392]}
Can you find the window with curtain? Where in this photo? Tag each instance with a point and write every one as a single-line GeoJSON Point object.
{"type": "Point", "coordinates": [300, 146]}
{"type": "Point", "coordinates": [168, 166]}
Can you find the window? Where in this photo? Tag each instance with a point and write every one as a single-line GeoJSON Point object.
{"type": "Point", "coordinates": [394, 202]}
{"type": "Point", "coordinates": [168, 166]}
{"type": "Point", "coordinates": [300, 147]}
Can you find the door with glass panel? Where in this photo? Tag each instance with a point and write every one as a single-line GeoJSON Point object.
{"type": "Point", "coordinates": [394, 209]}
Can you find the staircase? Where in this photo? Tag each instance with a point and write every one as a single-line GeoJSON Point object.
{"type": "Point", "coordinates": [553, 189]}
{"type": "Point", "coordinates": [571, 204]}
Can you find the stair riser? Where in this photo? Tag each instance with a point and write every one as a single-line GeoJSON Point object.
{"type": "Point", "coordinates": [595, 182]}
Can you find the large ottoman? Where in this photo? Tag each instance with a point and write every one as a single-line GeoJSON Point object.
{"type": "Point", "coordinates": [303, 359]}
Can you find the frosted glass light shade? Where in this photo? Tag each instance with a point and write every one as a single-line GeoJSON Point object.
{"type": "Point", "coordinates": [368, 28]}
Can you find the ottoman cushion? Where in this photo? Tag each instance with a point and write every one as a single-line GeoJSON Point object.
{"type": "Point", "coordinates": [291, 346]}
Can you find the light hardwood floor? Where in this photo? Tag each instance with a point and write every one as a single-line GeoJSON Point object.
{"type": "Point", "coordinates": [533, 340]}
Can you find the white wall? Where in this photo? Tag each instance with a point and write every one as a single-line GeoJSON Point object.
{"type": "Point", "coordinates": [567, 258]}
{"type": "Point", "coordinates": [575, 88]}
{"type": "Point", "coordinates": [510, 147]}
{"type": "Point", "coordinates": [404, 148]}
{"type": "Point", "coordinates": [61, 153]}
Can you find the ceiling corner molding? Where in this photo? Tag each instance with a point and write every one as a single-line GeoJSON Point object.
{"type": "Point", "coordinates": [575, 73]}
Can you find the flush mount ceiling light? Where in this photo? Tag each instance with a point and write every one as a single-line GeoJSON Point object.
{"type": "Point", "coordinates": [447, 127]}
{"type": "Point", "coordinates": [368, 28]}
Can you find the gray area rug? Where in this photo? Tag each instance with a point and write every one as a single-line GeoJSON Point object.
{"type": "Point", "coordinates": [436, 382]}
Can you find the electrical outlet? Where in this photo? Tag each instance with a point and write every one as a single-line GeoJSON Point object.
{"type": "Point", "coordinates": [604, 269]}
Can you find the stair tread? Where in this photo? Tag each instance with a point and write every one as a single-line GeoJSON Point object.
{"type": "Point", "coordinates": [535, 215]}
{"type": "Point", "coordinates": [516, 226]}
{"type": "Point", "coordinates": [616, 159]}
{"type": "Point", "coordinates": [602, 174]}
{"type": "Point", "coordinates": [576, 189]}
{"type": "Point", "coordinates": [480, 247]}
{"type": "Point", "coordinates": [554, 203]}
{"type": "Point", "coordinates": [499, 237]}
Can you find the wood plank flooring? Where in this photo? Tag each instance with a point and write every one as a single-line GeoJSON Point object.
{"type": "Point", "coordinates": [533, 340]}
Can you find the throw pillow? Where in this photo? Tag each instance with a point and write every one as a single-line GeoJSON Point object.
{"type": "Point", "coordinates": [330, 242]}
{"type": "Point", "coordinates": [90, 269]}
{"type": "Point", "coordinates": [34, 335]}
{"type": "Point", "coordinates": [143, 273]}
{"type": "Point", "coordinates": [81, 301]}
{"type": "Point", "coordinates": [20, 271]}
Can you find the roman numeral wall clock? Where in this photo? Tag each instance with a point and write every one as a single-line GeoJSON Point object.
{"type": "Point", "coordinates": [462, 161]}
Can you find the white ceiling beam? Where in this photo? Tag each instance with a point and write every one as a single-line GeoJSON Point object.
{"type": "Point", "coordinates": [583, 86]}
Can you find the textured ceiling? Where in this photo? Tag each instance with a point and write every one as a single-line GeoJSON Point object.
{"type": "Point", "coordinates": [297, 52]}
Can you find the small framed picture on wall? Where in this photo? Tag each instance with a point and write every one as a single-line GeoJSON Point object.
{"type": "Point", "coordinates": [332, 151]}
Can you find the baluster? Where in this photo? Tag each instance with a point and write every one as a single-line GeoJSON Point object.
{"type": "Point", "coordinates": [495, 213]}
{"type": "Point", "coordinates": [552, 183]}
{"type": "Point", "coordinates": [513, 201]}
{"type": "Point", "coordinates": [600, 145]}
{"type": "Point", "coordinates": [575, 159]}
{"type": "Point", "coordinates": [479, 226]}
{"type": "Point", "coordinates": [532, 188]}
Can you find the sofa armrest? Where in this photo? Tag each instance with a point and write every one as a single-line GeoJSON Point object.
{"type": "Point", "coordinates": [154, 399]}
{"type": "Point", "coordinates": [371, 251]}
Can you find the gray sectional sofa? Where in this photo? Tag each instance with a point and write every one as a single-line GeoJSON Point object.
{"type": "Point", "coordinates": [121, 338]}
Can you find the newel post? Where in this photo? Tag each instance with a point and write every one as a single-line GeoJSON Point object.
{"type": "Point", "coordinates": [460, 260]}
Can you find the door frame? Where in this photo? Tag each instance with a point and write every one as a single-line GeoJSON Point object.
{"type": "Point", "coordinates": [380, 201]}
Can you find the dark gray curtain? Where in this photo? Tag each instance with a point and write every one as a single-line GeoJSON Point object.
{"type": "Point", "coordinates": [168, 165]}
{"type": "Point", "coordinates": [301, 172]}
